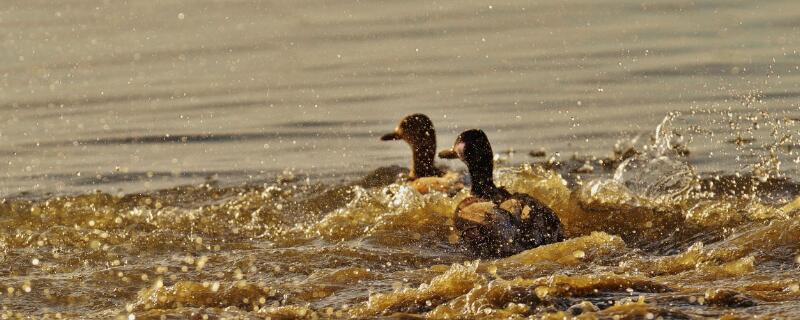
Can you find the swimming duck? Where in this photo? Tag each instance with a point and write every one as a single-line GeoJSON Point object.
{"type": "Point", "coordinates": [417, 130]}
{"type": "Point", "coordinates": [493, 222]}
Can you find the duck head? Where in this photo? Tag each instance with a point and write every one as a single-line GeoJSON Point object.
{"type": "Point", "coordinates": [417, 130]}
{"type": "Point", "coordinates": [473, 148]}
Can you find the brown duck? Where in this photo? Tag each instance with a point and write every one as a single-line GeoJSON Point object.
{"type": "Point", "coordinates": [417, 130]}
{"type": "Point", "coordinates": [493, 222]}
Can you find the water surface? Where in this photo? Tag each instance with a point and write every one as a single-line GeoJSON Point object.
{"type": "Point", "coordinates": [220, 159]}
{"type": "Point", "coordinates": [134, 96]}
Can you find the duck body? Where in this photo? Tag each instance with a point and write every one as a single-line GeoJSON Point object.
{"type": "Point", "coordinates": [449, 182]}
{"type": "Point", "coordinates": [496, 229]}
{"type": "Point", "coordinates": [493, 222]}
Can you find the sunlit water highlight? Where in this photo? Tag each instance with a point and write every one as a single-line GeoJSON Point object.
{"type": "Point", "coordinates": [297, 249]}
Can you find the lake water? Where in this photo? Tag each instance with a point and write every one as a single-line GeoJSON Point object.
{"type": "Point", "coordinates": [199, 122]}
{"type": "Point", "coordinates": [185, 90]}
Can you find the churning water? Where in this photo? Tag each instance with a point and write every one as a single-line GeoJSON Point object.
{"type": "Point", "coordinates": [220, 159]}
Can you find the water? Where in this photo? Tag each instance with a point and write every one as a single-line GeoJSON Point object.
{"type": "Point", "coordinates": [243, 90]}
{"type": "Point", "coordinates": [230, 142]}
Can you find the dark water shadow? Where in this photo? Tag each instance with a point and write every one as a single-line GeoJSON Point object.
{"type": "Point", "coordinates": [683, 7]}
{"type": "Point", "coordinates": [327, 124]}
{"type": "Point", "coordinates": [148, 57]}
{"type": "Point", "coordinates": [204, 138]}
{"type": "Point", "coordinates": [718, 69]}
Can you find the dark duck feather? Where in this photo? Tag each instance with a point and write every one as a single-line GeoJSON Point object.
{"type": "Point", "coordinates": [493, 222]}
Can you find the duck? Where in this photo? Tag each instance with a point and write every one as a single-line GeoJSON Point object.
{"type": "Point", "coordinates": [491, 221]}
{"type": "Point", "coordinates": [418, 132]}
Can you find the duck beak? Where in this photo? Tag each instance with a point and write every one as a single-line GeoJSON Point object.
{"type": "Point", "coordinates": [391, 136]}
{"type": "Point", "coordinates": [448, 154]}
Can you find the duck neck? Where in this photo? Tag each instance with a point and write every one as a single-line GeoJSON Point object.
{"type": "Point", "coordinates": [423, 165]}
{"type": "Point", "coordinates": [483, 183]}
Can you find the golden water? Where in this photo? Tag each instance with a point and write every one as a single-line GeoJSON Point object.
{"type": "Point", "coordinates": [234, 147]}
{"type": "Point", "coordinates": [297, 249]}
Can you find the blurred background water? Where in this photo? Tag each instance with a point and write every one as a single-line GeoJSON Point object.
{"type": "Point", "coordinates": [137, 95]}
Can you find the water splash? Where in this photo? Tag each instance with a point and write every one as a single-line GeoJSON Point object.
{"type": "Point", "coordinates": [660, 171]}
